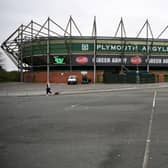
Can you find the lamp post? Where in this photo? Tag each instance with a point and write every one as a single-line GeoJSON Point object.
{"type": "Point", "coordinates": [94, 34]}
{"type": "Point", "coordinates": [48, 55]}
{"type": "Point", "coordinates": [94, 61]}
{"type": "Point", "coordinates": [137, 75]}
{"type": "Point", "coordinates": [137, 60]}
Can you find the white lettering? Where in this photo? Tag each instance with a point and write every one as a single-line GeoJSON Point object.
{"type": "Point", "coordinates": [116, 60]}
{"type": "Point", "coordinates": [159, 49]}
{"type": "Point", "coordinates": [113, 47]}
{"type": "Point", "coordinates": [144, 48]}
{"type": "Point", "coordinates": [129, 48]}
{"type": "Point", "coordinates": [99, 46]}
{"type": "Point", "coordinates": [165, 61]}
{"type": "Point", "coordinates": [125, 60]}
{"type": "Point", "coordinates": [103, 47]}
{"type": "Point", "coordinates": [108, 47]}
{"type": "Point", "coordinates": [164, 49]}
{"type": "Point", "coordinates": [154, 49]}
{"type": "Point", "coordinates": [103, 60]}
{"type": "Point", "coordinates": [133, 48]}
{"type": "Point", "coordinates": [155, 61]}
{"type": "Point", "coordinates": [119, 47]}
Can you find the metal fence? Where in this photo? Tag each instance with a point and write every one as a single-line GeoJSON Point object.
{"type": "Point", "coordinates": [129, 78]}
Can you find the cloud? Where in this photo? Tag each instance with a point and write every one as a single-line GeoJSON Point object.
{"type": "Point", "coordinates": [107, 12]}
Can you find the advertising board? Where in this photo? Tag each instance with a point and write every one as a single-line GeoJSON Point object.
{"type": "Point", "coordinates": [117, 60]}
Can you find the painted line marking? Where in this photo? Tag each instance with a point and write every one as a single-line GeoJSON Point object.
{"type": "Point", "coordinates": [154, 99]}
{"type": "Point", "coordinates": [74, 105]}
{"type": "Point", "coordinates": [148, 140]}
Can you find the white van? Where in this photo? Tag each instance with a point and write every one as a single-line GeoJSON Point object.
{"type": "Point", "coordinates": [72, 80]}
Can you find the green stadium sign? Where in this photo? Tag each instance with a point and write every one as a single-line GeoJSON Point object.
{"type": "Point", "coordinates": [103, 46]}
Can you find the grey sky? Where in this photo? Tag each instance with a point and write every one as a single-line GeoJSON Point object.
{"type": "Point", "coordinates": [13, 13]}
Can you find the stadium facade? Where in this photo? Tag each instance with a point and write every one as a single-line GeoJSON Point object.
{"type": "Point", "coordinates": [43, 55]}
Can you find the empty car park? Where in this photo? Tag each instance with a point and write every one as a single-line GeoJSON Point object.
{"type": "Point", "coordinates": [124, 128]}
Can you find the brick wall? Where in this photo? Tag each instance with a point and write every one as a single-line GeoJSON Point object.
{"type": "Point", "coordinates": [58, 77]}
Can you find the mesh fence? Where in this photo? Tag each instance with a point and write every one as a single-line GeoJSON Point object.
{"type": "Point", "coordinates": [129, 78]}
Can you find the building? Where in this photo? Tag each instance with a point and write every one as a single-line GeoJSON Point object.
{"type": "Point", "coordinates": [43, 55]}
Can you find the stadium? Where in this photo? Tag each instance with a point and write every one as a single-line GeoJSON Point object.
{"type": "Point", "coordinates": [44, 55]}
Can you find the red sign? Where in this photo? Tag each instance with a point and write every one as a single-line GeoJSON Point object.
{"type": "Point", "coordinates": [136, 60]}
{"type": "Point", "coordinates": [81, 60]}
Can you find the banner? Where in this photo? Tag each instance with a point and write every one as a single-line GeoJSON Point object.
{"type": "Point", "coordinates": [116, 60]}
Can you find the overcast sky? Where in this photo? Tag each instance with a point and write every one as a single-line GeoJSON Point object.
{"type": "Point", "coordinates": [108, 13]}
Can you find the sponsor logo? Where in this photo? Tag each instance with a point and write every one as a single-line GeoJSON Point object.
{"type": "Point", "coordinates": [136, 60]}
{"type": "Point", "coordinates": [81, 60]}
{"type": "Point", "coordinates": [85, 47]}
{"type": "Point", "coordinates": [59, 59]}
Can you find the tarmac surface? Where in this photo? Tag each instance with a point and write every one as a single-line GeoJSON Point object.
{"type": "Point", "coordinates": [30, 89]}
{"type": "Point", "coordinates": [85, 126]}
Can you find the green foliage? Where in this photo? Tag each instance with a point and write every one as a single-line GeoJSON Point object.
{"type": "Point", "coordinates": [12, 76]}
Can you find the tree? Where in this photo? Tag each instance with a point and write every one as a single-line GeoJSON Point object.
{"type": "Point", "coordinates": [1, 60]}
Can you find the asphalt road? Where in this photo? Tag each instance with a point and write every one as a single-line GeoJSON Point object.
{"type": "Point", "coordinates": [101, 130]}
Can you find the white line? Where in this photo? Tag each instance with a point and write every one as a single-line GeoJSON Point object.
{"type": "Point", "coordinates": [154, 99]}
{"type": "Point", "coordinates": [74, 105]}
{"type": "Point", "coordinates": [148, 140]}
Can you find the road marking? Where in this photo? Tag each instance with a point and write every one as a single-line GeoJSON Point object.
{"type": "Point", "coordinates": [74, 105]}
{"type": "Point", "coordinates": [154, 99]}
{"type": "Point", "coordinates": [148, 140]}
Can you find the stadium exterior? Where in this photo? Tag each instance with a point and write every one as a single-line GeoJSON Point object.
{"type": "Point", "coordinates": [43, 55]}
